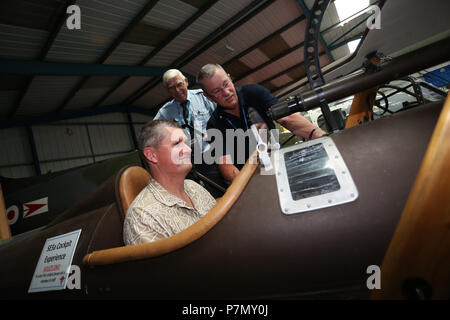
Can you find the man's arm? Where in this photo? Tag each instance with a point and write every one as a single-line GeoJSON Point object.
{"type": "Point", "coordinates": [296, 123]}
{"type": "Point", "coordinates": [211, 106]}
{"type": "Point", "coordinates": [300, 126]}
{"type": "Point", "coordinates": [160, 115]}
{"type": "Point", "coordinates": [227, 169]}
{"type": "Point", "coordinates": [168, 111]}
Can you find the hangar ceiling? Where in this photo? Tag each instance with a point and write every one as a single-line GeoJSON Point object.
{"type": "Point", "coordinates": [117, 57]}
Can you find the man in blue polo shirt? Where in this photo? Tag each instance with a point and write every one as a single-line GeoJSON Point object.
{"type": "Point", "coordinates": [192, 110]}
{"type": "Point", "coordinates": [235, 109]}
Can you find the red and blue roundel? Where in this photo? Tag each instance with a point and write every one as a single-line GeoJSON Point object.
{"type": "Point", "coordinates": [13, 213]}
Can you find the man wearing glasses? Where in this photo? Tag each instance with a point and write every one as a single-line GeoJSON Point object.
{"type": "Point", "coordinates": [239, 108]}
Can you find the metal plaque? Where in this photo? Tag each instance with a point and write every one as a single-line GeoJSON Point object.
{"type": "Point", "coordinates": [312, 175]}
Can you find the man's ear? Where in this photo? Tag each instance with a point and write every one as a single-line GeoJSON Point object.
{"type": "Point", "coordinates": [187, 82]}
{"type": "Point", "coordinates": [150, 155]}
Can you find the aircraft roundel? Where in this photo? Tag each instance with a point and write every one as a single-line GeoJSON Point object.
{"type": "Point", "coordinates": [13, 214]}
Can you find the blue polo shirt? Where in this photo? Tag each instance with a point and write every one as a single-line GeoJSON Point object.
{"type": "Point", "coordinates": [249, 96]}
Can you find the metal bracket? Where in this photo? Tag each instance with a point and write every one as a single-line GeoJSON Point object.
{"type": "Point", "coordinates": [312, 62]}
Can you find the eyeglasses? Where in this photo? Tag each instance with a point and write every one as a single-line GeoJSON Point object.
{"type": "Point", "coordinates": [179, 85]}
{"type": "Point", "coordinates": [219, 91]}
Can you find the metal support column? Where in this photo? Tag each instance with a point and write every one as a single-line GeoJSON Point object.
{"type": "Point", "coordinates": [37, 166]}
{"type": "Point", "coordinates": [132, 131]}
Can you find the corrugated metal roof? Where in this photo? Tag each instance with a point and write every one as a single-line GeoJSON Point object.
{"type": "Point", "coordinates": [105, 26]}
{"type": "Point", "coordinates": [128, 54]}
{"type": "Point", "coordinates": [124, 90]}
{"type": "Point", "coordinates": [45, 94]}
{"type": "Point", "coordinates": [169, 14]}
{"type": "Point", "coordinates": [198, 30]}
{"type": "Point", "coordinates": [101, 22]}
{"type": "Point", "coordinates": [20, 43]}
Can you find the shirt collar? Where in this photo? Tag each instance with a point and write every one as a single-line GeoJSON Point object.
{"type": "Point", "coordinates": [166, 198]}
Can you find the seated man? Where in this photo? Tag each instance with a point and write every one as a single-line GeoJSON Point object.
{"type": "Point", "coordinates": [169, 203]}
{"type": "Point", "coordinates": [239, 108]}
{"type": "Point", "coordinates": [192, 110]}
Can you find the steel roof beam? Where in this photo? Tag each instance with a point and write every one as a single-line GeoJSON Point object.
{"type": "Point", "coordinates": [172, 36]}
{"type": "Point", "coordinates": [59, 22]}
{"type": "Point", "coordinates": [279, 74]}
{"type": "Point", "coordinates": [380, 4]}
{"type": "Point", "coordinates": [274, 59]}
{"type": "Point", "coordinates": [46, 68]}
{"type": "Point", "coordinates": [23, 121]}
{"type": "Point", "coordinates": [270, 36]}
{"type": "Point", "coordinates": [229, 26]}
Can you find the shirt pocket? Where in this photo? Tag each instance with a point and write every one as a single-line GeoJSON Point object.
{"type": "Point", "coordinates": [201, 116]}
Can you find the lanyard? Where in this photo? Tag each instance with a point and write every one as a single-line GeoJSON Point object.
{"type": "Point", "coordinates": [245, 119]}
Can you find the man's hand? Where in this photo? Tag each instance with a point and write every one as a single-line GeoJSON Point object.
{"type": "Point", "coordinates": [261, 125]}
{"type": "Point", "coordinates": [227, 168]}
{"type": "Point", "coordinates": [300, 126]}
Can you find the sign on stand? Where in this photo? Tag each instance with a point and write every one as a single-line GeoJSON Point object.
{"type": "Point", "coordinates": [54, 263]}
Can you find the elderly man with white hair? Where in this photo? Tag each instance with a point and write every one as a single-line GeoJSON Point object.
{"type": "Point", "coordinates": [189, 107]}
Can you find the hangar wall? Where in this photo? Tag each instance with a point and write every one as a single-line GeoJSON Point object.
{"type": "Point", "coordinates": [61, 145]}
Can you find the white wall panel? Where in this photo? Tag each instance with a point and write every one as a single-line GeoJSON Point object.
{"type": "Point", "coordinates": [56, 142]}
{"type": "Point", "coordinates": [139, 121]}
{"type": "Point", "coordinates": [101, 158]}
{"type": "Point", "coordinates": [110, 138]}
{"type": "Point", "coordinates": [67, 143]}
{"type": "Point", "coordinates": [55, 166]}
{"type": "Point", "coordinates": [16, 160]}
{"type": "Point", "coordinates": [17, 171]}
{"type": "Point", "coordinates": [15, 147]}
{"type": "Point", "coordinates": [118, 117]}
